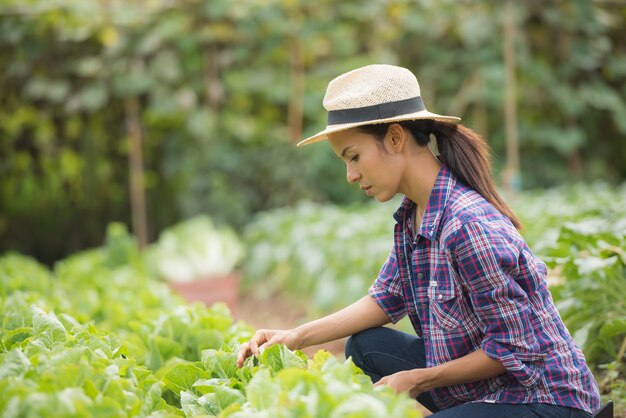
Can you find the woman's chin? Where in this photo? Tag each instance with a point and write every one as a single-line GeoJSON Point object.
{"type": "Point", "coordinates": [382, 198]}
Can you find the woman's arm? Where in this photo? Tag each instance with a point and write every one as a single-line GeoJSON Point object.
{"type": "Point", "coordinates": [469, 368]}
{"type": "Point", "coordinates": [362, 314]}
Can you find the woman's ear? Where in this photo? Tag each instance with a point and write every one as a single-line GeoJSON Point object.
{"type": "Point", "coordinates": [396, 137]}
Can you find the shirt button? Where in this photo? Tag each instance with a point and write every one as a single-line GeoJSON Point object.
{"type": "Point", "coordinates": [440, 296]}
{"type": "Point", "coordinates": [420, 275]}
{"type": "Point", "coordinates": [423, 306]}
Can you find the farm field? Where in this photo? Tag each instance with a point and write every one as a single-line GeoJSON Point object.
{"type": "Point", "coordinates": [97, 337]}
{"type": "Point", "coordinates": [155, 208]}
{"type": "Point", "coordinates": [101, 335]}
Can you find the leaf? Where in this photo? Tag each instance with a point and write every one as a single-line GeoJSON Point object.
{"type": "Point", "coordinates": [152, 399]}
{"type": "Point", "coordinates": [183, 376]}
{"type": "Point", "coordinates": [319, 359]}
{"type": "Point", "coordinates": [48, 327]}
{"type": "Point", "coordinates": [221, 398]}
{"type": "Point", "coordinates": [262, 392]}
{"type": "Point", "coordinates": [190, 405]}
{"type": "Point", "coordinates": [166, 347]}
{"type": "Point", "coordinates": [613, 328]}
{"type": "Point", "coordinates": [360, 406]}
{"type": "Point", "coordinates": [15, 336]}
{"type": "Point", "coordinates": [206, 338]}
{"type": "Point", "coordinates": [299, 381]}
{"type": "Point", "coordinates": [13, 363]}
{"type": "Point", "coordinates": [219, 363]}
{"type": "Point", "coordinates": [278, 357]}
{"type": "Point", "coordinates": [208, 385]}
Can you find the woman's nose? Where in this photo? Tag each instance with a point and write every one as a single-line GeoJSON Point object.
{"type": "Point", "coordinates": [352, 175]}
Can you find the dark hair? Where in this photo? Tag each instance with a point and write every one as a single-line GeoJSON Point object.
{"type": "Point", "coordinates": [462, 150]}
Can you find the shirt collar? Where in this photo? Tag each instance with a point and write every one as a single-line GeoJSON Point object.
{"type": "Point", "coordinates": [437, 201]}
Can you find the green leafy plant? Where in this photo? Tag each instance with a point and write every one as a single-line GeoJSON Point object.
{"type": "Point", "coordinates": [581, 232]}
{"type": "Point", "coordinates": [282, 383]}
{"type": "Point", "coordinates": [194, 249]}
{"type": "Point", "coordinates": [54, 366]}
{"type": "Point", "coordinates": [97, 337]}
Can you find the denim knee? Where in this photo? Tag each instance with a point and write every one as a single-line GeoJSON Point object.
{"type": "Point", "coordinates": [355, 347]}
{"type": "Point", "coordinates": [359, 344]}
{"type": "Point", "coordinates": [351, 349]}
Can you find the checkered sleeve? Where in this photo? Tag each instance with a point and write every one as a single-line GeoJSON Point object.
{"type": "Point", "coordinates": [488, 264]}
{"type": "Point", "coordinates": [387, 289]}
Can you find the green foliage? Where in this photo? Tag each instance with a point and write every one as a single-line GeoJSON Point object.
{"type": "Point", "coordinates": [544, 212]}
{"type": "Point", "coordinates": [590, 299]}
{"type": "Point", "coordinates": [581, 232]}
{"type": "Point", "coordinates": [220, 85]}
{"type": "Point", "coordinates": [97, 338]}
{"type": "Point", "coordinates": [61, 368]}
{"type": "Point", "coordinates": [281, 383]}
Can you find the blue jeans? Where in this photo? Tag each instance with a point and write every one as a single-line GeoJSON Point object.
{"type": "Point", "coordinates": [383, 351]}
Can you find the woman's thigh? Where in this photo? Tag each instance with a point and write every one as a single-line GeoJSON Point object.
{"type": "Point", "coordinates": [475, 410]}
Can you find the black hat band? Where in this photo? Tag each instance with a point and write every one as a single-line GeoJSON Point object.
{"type": "Point", "coordinates": [376, 112]}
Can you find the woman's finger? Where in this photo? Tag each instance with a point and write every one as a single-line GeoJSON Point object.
{"type": "Point", "coordinates": [270, 342]}
{"type": "Point", "coordinates": [259, 338]}
{"type": "Point", "coordinates": [243, 354]}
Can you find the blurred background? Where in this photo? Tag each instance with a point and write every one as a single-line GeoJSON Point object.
{"type": "Point", "coordinates": [177, 120]}
{"type": "Point", "coordinates": [181, 107]}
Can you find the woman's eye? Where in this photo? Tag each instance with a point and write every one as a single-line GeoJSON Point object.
{"type": "Point", "coordinates": [354, 159]}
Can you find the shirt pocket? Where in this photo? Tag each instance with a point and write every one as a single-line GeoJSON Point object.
{"type": "Point", "coordinates": [445, 309]}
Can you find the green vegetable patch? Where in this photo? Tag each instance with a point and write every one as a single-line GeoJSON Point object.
{"type": "Point", "coordinates": [98, 337]}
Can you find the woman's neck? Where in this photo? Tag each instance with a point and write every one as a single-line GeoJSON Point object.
{"type": "Point", "coordinates": [420, 177]}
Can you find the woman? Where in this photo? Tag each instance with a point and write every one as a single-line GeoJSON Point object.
{"type": "Point", "coordinates": [489, 339]}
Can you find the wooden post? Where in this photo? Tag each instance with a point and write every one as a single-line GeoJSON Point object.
{"type": "Point", "coordinates": [295, 111]}
{"type": "Point", "coordinates": [135, 162]}
{"type": "Point", "coordinates": [510, 176]}
{"type": "Point", "coordinates": [214, 91]}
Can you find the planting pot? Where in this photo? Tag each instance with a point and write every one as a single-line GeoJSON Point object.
{"type": "Point", "coordinates": [210, 290]}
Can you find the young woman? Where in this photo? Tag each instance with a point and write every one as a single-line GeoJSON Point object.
{"type": "Point", "coordinates": [489, 340]}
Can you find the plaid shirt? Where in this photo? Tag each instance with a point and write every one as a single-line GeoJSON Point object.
{"type": "Point", "coordinates": [468, 281]}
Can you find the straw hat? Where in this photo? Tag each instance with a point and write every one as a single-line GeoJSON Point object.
{"type": "Point", "coordinates": [373, 94]}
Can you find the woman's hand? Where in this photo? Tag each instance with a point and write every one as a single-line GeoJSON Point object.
{"type": "Point", "coordinates": [467, 369]}
{"type": "Point", "coordinates": [264, 338]}
{"type": "Point", "coordinates": [412, 382]}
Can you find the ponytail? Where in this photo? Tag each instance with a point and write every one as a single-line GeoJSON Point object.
{"type": "Point", "coordinates": [467, 155]}
{"type": "Point", "coordinates": [462, 150]}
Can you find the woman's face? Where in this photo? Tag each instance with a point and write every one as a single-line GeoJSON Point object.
{"type": "Point", "coordinates": [376, 171]}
